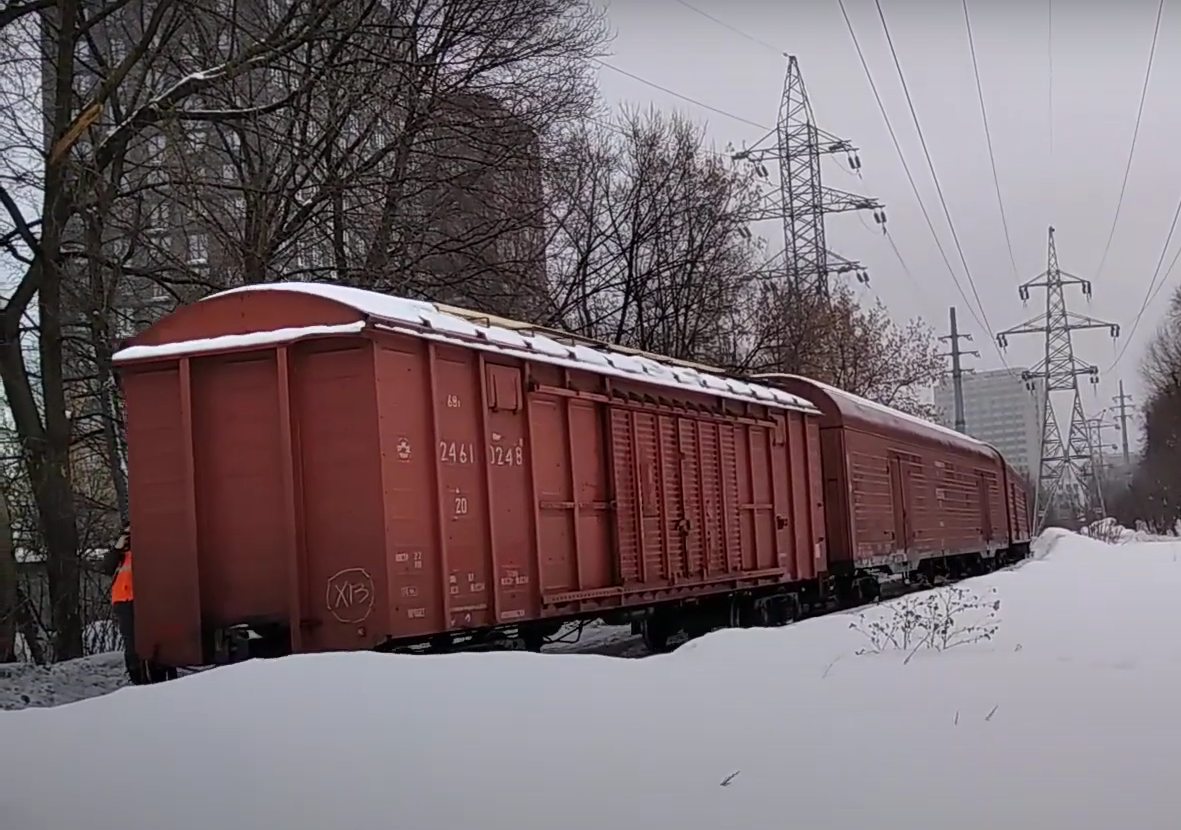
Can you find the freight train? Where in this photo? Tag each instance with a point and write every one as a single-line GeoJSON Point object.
{"type": "Point", "coordinates": [321, 468]}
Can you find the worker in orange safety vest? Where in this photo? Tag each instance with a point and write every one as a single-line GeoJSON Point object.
{"type": "Point", "coordinates": [123, 603]}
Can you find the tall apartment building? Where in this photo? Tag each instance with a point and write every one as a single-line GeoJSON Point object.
{"type": "Point", "coordinates": [1001, 409]}
{"type": "Point", "coordinates": [211, 204]}
{"type": "Point", "coordinates": [218, 203]}
{"type": "Point", "coordinates": [483, 239]}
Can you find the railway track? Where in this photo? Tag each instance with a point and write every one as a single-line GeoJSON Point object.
{"type": "Point", "coordinates": [618, 641]}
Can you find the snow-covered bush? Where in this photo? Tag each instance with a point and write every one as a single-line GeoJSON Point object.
{"type": "Point", "coordinates": [1106, 530]}
{"type": "Point", "coordinates": [1113, 533]}
{"type": "Point", "coordinates": [939, 619]}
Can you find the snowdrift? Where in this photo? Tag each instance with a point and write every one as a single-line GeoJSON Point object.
{"type": "Point", "coordinates": [1064, 718]}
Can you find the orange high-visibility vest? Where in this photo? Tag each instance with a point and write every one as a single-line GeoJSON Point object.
{"type": "Point", "coordinates": [121, 589]}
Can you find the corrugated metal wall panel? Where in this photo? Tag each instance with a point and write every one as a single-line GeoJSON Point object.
{"type": "Point", "coordinates": [629, 539]}
{"type": "Point", "coordinates": [728, 459]}
{"type": "Point", "coordinates": [708, 495]}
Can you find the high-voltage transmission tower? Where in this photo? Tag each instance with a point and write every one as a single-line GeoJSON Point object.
{"type": "Point", "coordinates": [1096, 426]}
{"type": "Point", "coordinates": [1065, 475]}
{"type": "Point", "coordinates": [802, 200]}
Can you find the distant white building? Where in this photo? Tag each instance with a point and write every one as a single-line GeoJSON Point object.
{"type": "Point", "coordinates": [1001, 409]}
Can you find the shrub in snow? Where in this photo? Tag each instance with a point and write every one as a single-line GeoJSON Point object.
{"type": "Point", "coordinates": [939, 620]}
{"type": "Point", "coordinates": [1113, 533]}
{"type": "Point", "coordinates": [1106, 530]}
{"type": "Point", "coordinates": [98, 637]}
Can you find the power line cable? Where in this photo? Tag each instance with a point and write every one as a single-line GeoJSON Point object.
{"type": "Point", "coordinates": [988, 138]}
{"type": "Point", "coordinates": [906, 167]}
{"type": "Point", "coordinates": [685, 98]}
{"type": "Point", "coordinates": [901, 261]}
{"type": "Point", "coordinates": [1165, 279]}
{"type": "Point", "coordinates": [931, 166]}
{"type": "Point", "coordinates": [1150, 294]}
{"type": "Point", "coordinates": [905, 268]}
{"type": "Point", "coordinates": [1135, 134]}
{"type": "Point", "coordinates": [733, 29]}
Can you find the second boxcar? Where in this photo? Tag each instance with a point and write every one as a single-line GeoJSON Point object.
{"type": "Point", "coordinates": [321, 468]}
{"type": "Point", "coordinates": [1020, 521]}
{"type": "Point", "coordinates": [905, 498]}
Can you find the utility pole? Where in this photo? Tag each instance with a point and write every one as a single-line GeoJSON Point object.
{"type": "Point", "coordinates": [1123, 401]}
{"type": "Point", "coordinates": [1062, 462]}
{"type": "Point", "coordinates": [802, 201]}
{"type": "Point", "coordinates": [957, 370]}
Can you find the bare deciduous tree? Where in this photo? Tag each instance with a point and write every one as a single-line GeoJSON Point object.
{"type": "Point", "coordinates": [409, 161]}
{"type": "Point", "coordinates": [650, 248]}
{"type": "Point", "coordinates": [65, 143]}
{"type": "Point", "coordinates": [848, 344]}
{"type": "Point", "coordinates": [649, 245]}
{"type": "Point", "coordinates": [146, 147]}
{"type": "Point", "coordinates": [1153, 495]}
{"type": "Point", "coordinates": [8, 586]}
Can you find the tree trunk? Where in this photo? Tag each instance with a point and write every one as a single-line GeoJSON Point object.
{"type": "Point", "coordinates": [26, 624]}
{"type": "Point", "coordinates": [8, 577]}
{"type": "Point", "coordinates": [55, 497]}
{"type": "Point", "coordinates": [100, 300]}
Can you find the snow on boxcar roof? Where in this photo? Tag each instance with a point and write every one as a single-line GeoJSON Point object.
{"type": "Point", "coordinates": [882, 415]}
{"type": "Point", "coordinates": [493, 334]}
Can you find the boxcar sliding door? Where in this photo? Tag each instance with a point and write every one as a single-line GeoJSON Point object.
{"type": "Point", "coordinates": [984, 499]}
{"type": "Point", "coordinates": [900, 501]}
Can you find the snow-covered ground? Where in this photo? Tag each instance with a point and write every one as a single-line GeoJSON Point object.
{"type": "Point", "coordinates": [23, 685]}
{"type": "Point", "coordinates": [1065, 718]}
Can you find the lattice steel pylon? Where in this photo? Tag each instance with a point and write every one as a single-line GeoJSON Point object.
{"type": "Point", "coordinates": [1069, 465]}
{"type": "Point", "coordinates": [802, 200]}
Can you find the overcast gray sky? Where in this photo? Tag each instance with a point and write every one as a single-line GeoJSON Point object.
{"type": "Point", "coordinates": [1100, 52]}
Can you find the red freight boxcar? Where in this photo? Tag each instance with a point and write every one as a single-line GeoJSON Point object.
{"type": "Point", "coordinates": [1019, 519]}
{"type": "Point", "coordinates": [323, 468]}
{"type": "Point", "coordinates": [904, 495]}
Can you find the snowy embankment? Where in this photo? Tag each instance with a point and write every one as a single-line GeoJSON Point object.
{"type": "Point", "coordinates": [1066, 717]}
{"type": "Point", "coordinates": [23, 685]}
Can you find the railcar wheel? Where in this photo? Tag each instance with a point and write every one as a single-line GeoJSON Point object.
{"type": "Point", "coordinates": [787, 610]}
{"type": "Point", "coordinates": [150, 672]}
{"type": "Point", "coordinates": [745, 613]}
{"type": "Point", "coordinates": [698, 627]}
{"type": "Point", "coordinates": [655, 634]}
{"type": "Point", "coordinates": [868, 590]}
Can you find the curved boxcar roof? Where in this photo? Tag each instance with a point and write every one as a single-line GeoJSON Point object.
{"type": "Point", "coordinates": [255, 315]}
{"type": "Point", "coordinates": [841, 408]}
